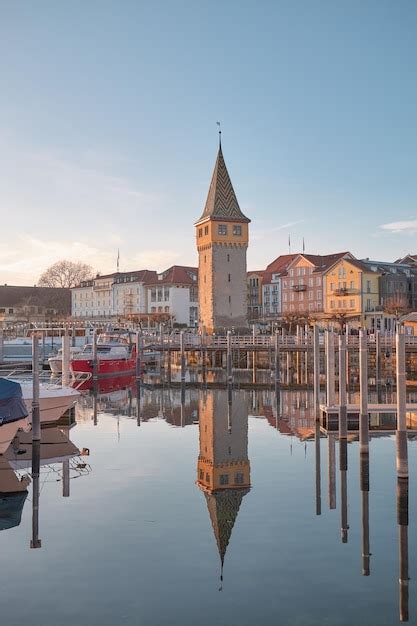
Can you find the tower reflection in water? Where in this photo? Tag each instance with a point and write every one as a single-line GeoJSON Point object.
{"type": "Point", "coordinates": [223, 469]}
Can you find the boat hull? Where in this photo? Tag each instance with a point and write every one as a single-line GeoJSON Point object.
{"type": "Point", "coordinates": [8, 432]}
{"type": "Point", "coordinates": [105, 367]}
{"type": "Point", "coordinates": [53, 401]}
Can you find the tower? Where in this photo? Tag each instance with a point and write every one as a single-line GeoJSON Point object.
{"type": "Point", "coordinates": [223, 471]}
{"type": "Point", "coordinates": [222, 235]}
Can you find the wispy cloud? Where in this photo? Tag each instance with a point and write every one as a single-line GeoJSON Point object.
{"type": "Point", "coordinates": [403, 227]}
{"type": "Point", "coordinates": [257, 235]}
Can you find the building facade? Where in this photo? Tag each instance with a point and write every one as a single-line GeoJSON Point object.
{"type": "Point", "coordinates": [20, 304]}
{"type": "Point", "coordinates": [255, 308]}
{"type": "Point", "coordinates": [175, 292]}
{"type": "Point", "coordinates": [222, 237]}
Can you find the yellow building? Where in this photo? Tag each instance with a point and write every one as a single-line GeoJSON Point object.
{"type": "Point", "coordinates": [223, 470]}
{"type": "Point", "coordinates": [352, 292]}
{"type": "Point", "coordinates": [222, 236]}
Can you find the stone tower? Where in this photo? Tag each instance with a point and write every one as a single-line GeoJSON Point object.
{"type": "Point", "coordinates": [222, 240]}
{"type": "Point", "coordinates": [223, 471]}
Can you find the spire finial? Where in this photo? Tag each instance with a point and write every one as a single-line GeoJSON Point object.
{"type": "Point", "coordinates": [220, 135]}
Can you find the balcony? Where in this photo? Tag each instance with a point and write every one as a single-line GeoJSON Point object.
{"type": "Point", "coordinates": [345, 291]}
{"type": "Point", "coordinates": [299, 287]}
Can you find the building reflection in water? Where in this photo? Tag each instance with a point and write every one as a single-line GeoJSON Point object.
{"type": "Point", "coordinates": [223, 469]}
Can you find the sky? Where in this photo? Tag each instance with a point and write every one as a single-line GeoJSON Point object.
{"type": "Point", "coordinates": [108, 133]}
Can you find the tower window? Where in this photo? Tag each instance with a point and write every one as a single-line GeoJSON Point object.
{"type": "Point", "coordinates": [230, 299]}
{"type": "Point", "coordinates": [228, 257]}
{"type": "Point", "coordinates": [206, 230]}
{"type": "Point", "coordinates": [228, 278]}
{"type": "Point", "coordinates": [237, 229]}
{"type": "Point", "coordinates": [200, 232]}
{"type": "Point", "coordinates": [239, 478]}
{"type": "Point", "coordinates": [222, 229]}
{"type": "Point", "coordinates": [224, 479]}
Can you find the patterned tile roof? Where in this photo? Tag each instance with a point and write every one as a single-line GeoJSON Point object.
{"type": "Point", "coordinates": [221, 203]}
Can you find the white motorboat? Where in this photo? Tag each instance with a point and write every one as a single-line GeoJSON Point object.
{"type": "Point", "coordinates": [55, 362]}
{"type": "Point", "coordinates": [54, 400]}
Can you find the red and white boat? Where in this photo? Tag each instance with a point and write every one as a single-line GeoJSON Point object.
{"type": "Point", "coordinates": [116, 354]}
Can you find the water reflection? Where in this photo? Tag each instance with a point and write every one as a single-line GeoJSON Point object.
{"type": "Point", "coordinates": [223, 469]}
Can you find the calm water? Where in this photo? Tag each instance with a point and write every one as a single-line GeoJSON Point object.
{"type": "Point", "coordinates": [141, 538]}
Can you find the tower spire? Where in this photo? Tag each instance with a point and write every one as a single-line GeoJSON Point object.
{"type": "Point", "coordinates": [220, 135]}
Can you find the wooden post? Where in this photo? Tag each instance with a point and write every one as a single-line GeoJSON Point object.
{"type": "Point", "coordinates": [182, 353]}
{"type": "Point", "coordinates": [229, 358]}
{"type": "Point", "coordinates": [331, 440]}
{"type": "Point", "coordinates": [36, 462]}
{"type": "Point", "coordinates": [65, 478]}
{"type": "Point", "coordinates": [276, 357]}
{"type": "Point", "coordinates": [161, 343]}
{"type": "Point", "coordinates": [288, 367]}
{"type": "Point", "coordinates": [1, 346]}
{"type": "Point", "coordinates": [65, 359]}
{"type": "Point", "coordinates": [94, 355]}
{"type": "Point", "coordinates": [330, 369]}
{"type": "Point", "coordinates": [36, 419]}
{"type": "Point", "coordinates": [342, 388]}
{"type": "Point", "coordinates": [139, 352]}
{"type": "Point", "coordinates": [401, 435]}
{"type": "Point", "coordinates": [363, 389]}
{"type": "Point", "coordinates": [316, 371]}
{"type": "Point", "coordinates": [253, 356]}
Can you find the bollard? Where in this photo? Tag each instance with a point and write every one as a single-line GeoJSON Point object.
{"type": "Point", "coordinates": [342, 388]}
{"type": "Point", "coordinates": [363, 390]}
{"type": "Point", "coordinates": [330, 369]}
{"type": "Point", "coordinates": [36, 418]}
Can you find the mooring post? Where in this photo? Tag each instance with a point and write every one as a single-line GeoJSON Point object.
{"type": "Point", "coordinates": [288, 367]}
{"type": "Point", "coordinates": [402, 519]}
{"type": "Point", "coordinates": [276, 357]}
{"type": "Point", "coordinates": [402, 452]}
{"type": "Point", "coordinates": [331, 441]}
{"type": "Point", "coordinates": [36, 419]}
{"type": "Point", "coordinates": [182, 353]}
{"type": "Point", "coordinates": [316, 370]}
{"type": "Point", "coordinates": [229, 358]}
{"type": "Point", "coordinates": [161, 344]}
{"type": "Point", "coordinates": [94, 355]}
{"type": "Point", "coordinates": [229, 408]}
{"type": "Point", "coordinates": [364, 482]}
{"type": "Point", "coordinates": [363, 392]}
{"type": "Point", "coordinates": [342, 388]}
{"type": "Point", "coordinates": [66, 478]}
{"type": "Point", "coordinates": [65, 359]}
{"type": "Point", "coordinates": [1, 346]}
{"type": "Point", "coordinates": [378, 364]}
{"type": "Point", "coordinates": [139, 352]}
{"type": "Point", "coordinates": [330, 369]}
{"type": "Point", "coordinates": [253, 355]}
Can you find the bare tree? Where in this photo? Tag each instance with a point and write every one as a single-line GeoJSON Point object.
{"type": "Point", "coordinates": [65, 274]}
{"type": "Point", "coordinates": [397, 304]}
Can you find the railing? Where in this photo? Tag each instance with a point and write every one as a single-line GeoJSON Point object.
{"type": "Point", "coordinates": [299, 287]}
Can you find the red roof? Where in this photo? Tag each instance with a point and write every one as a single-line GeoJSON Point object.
{"type": "Point", "coordinates": [177, 274]}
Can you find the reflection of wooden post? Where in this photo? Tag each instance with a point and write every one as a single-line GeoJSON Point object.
{"type": "Point", "coordinates": [182, 405]}
{"type": "Point", "coordinates": [330, 369]}
{"type": "Point", "coordinates": [343, 489]}
{"type": "Point", "coordinates": [363, 386]}
{"type": "Point", "coordinates": [318, 467]}
{"type": "Point", "coordinates": [276, 356]}
{"type": "Point", "coordinates": [288, 367]}
{"type": "Point", "coordinates": [402, 519]}
{"type": "Point", "coordinates": [364, 481]}
{"type": "Point", "coordinates": [402, 453]}
{"type": "Point", "coordinates": [95, 361]}
{"type": "Point", "coordinates": [36, 462]}
{"type": "Point", "coordinates": [138, 404]}
{"type": "Point", "coordinates": [254, 355]}
{"type": "Point", "coordinates": [331, 439]}
{"type": "Point", "coordinates": [1, 346]}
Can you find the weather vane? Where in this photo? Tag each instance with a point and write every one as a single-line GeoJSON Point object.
{"type": "Point", "coordinates": [220, 133]}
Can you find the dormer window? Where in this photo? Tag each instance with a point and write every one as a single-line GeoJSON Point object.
{"type": "Point", "coordinates": [222, 229]}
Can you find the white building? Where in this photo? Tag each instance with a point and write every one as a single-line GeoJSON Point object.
{"type": "Point", "coordinates": [170, 295]}
{"type": "Point", "coordinates": [271, 294]}
{"type": "Point", "coordinates": [175, 292]}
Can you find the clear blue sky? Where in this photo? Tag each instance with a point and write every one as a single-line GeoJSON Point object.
{"type": "Point", "coordinates": [108, 130]}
